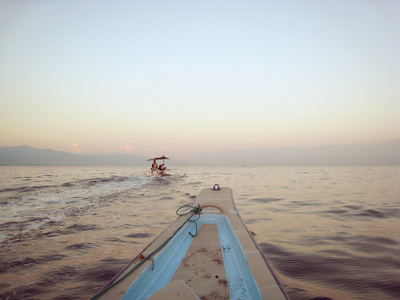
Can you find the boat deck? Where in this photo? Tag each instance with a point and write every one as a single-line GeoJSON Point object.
{"type": "Point", "coordinates": [201, 270]}
{"type": "Point", "coordinates": [221, 262]}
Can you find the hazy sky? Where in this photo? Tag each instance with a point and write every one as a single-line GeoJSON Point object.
{"type": "Point", "coordinates": [177, 77]}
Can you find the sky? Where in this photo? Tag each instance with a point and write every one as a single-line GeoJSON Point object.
{"type": "Point", "coordinates": [183, 77]}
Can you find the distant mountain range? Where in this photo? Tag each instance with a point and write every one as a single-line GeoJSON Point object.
{"type": "Point", "coordinates": [28, 156]}
{"type": "Point", "coordinates": [380, 154]}
{"type": "Point", "coordinates": [387, 153]}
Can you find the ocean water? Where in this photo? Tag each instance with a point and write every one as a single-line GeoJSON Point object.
{"type": "Point", "coordinates": [329, 232]}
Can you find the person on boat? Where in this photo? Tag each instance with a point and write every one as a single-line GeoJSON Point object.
{"type": "Point", "coordinates": [154, 166]}
{"type": "Point", "coordinates": [161, 168]}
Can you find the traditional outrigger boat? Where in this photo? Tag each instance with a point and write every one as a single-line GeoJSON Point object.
{"type": "Point", "coordinates": [207, 253]}
{"type": "Point", "coordinates": [161, 170]}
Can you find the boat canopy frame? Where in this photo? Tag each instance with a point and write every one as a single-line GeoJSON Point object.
{"type": "Point", "coordinates": [158, 158]}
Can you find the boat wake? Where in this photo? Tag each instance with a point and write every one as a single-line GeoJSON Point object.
{"type": "Point", "coordinates": [28, 208]}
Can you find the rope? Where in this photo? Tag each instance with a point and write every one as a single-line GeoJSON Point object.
{"type": "Point", "coordinates": [194, 210]}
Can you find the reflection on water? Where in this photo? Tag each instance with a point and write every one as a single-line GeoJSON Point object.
{"type": "Point", "coordinates": [329, 232]}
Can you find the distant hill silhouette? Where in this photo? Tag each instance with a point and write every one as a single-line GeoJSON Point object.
{"type": "Point", "coordinates": [380, 154]}
{"type": "Point", "coordinates": [28, 156]}
{"type": "Point", "coordinates": [387, 153]}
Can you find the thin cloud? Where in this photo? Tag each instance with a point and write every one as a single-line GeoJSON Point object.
{"type": "Point", "coordinates": [76, 148]}
{"type": "Point", "coordinates": [128, 148]}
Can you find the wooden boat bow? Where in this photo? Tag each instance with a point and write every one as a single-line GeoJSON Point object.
{"type": "Point", "coordinates": [220, 261]}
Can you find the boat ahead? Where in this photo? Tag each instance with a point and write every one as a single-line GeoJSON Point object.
{"type": "Point", "coordinates": [161, 170]}
{"type": "Point", "coordinates": [207, 253]}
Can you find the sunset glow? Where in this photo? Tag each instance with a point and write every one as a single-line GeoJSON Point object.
{"type": "Point", "coordinates": [154, 77]}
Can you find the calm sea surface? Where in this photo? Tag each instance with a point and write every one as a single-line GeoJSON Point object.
{"type": "Point", "coordinates": [329, 232]}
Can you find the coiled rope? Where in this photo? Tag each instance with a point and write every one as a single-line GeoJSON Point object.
{"type": "Point", "coordinates": [193, 210]}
